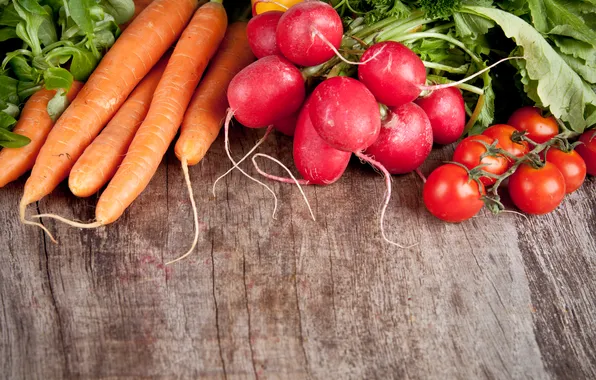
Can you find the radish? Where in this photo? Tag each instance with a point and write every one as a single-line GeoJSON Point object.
{"type": "Point", "coordinates": [265, 91]}
{"type": "Point", "coordinates": [396, 75]}
{"type": "Point", "coordinates": [447, 114]}
{"type": "Point", "coordinates": [317, 161]}
{"type": "Point", "coordinates": [261, 34]}
{"type": "Point", "coordinates": [307, 32]}
{"type": "Point", "coordinates": [287, 125]}
{"type": "Point", "coordinates": [345, 114]}
{"type": "Point", "coordinates": [405, 141]}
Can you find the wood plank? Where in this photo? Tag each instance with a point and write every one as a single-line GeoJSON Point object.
{"type": "Point", "coordinates": [292, 298]}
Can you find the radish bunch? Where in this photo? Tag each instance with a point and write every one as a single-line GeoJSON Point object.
{"type": "Point", "coordinates": [342, 115]}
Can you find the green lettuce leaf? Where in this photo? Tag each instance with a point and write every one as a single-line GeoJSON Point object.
{"type": "Point", "coordinates": [549, 80]}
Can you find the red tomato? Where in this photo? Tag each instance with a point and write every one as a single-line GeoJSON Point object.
{"type": "Point", "coordinates": [588, 150]}
{"type": "Point", "coordinates": [468, 153]}
{"type": "Point", "coordinates": [537, 191]}
{"type": "Point", "coordinates": [540, 129]}
{"type": "Point", "coordinates": [450, 194]}
{"type": "Point", "coordinates": [503, 133]}
{"type": "Point", "coordinates": [571, 165]}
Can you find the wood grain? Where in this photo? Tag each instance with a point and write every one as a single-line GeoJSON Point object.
{"type": "Point", "coordinates": [291, 298]}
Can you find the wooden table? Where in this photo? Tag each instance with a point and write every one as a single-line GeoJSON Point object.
{"type": "Point", "coordinates": [495, 297]}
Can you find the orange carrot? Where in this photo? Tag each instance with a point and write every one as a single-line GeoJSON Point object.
{"type": "Point", "coordinates": [99, 162]}
{"type": "Point", "coordinates": [196, 46]}
{"type": "Point", "coordinates": [35, 123]}
{"type": "Point", "coordinates": [129, 60]}
{"type": "Point", "coordinates": [207, 110]}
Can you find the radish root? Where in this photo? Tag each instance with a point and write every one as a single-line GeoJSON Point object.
{"type": "Point", "coordinates": [380, 167]}
{"type": "Point", "coordinates": [338, 54]}
{"type": "Point", "coordinates": [22, 210]}
{"type": "Point", "coordinates": [227, 148]}
{"type": "Point", "coordinates": [294, 180]}
{"type": "Point", "coordinates": [452, 84]}
{"type": "Point", "coordinates": [422, 177]}
{"type": "Point", "coordinates": [194, 210]}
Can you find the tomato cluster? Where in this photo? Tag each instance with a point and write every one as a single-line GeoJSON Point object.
{"type": "Point", "coordinates": [540, 165]}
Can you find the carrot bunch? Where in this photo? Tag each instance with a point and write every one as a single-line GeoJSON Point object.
{"type": "Point", "coordinates": [121, 123]}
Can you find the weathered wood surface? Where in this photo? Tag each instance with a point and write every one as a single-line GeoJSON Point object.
{"type": "Point", "coordinates": [495, 297]}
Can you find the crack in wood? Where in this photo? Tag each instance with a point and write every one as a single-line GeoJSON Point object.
{"type": "Point", "coordinates": [53, 298]}
{"type": "Point", "coordinates": [252, 353]}
{"type": "Point", "coordinates": [223, 363]}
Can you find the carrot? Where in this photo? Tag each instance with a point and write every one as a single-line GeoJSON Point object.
{"type": "Point", "coordinates": [193, 51]}
{"type": "Point", "coordinates": [135, 52]}
{"type": "Point", "coordinates": [99, 162]}
{"type": "Point", "coordinates": [35, 123]}
{"type": "Point", "coordinates": [207, 110]}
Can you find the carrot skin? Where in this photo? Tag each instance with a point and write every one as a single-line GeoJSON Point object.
{"type": "Point", "coordinates": [35, 123]}
{"type": "Point", "coordinates": [98, 164]}
{"type": "Point", "coordinates": [129, 60]}
{"type": "Point", "coordinates": [207, 110]}
{"type": "Point", "coordinates": [193, 51]}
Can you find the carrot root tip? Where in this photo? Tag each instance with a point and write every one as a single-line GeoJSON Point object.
{"type": "Point", "coordinates": [22, 216]}
{"type": "Point", "coordinates": [68, 221]}
{"type": "Point", "coordinates": [194, 210]}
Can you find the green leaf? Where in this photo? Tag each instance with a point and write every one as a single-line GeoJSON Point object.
{"type": "Point", "coordinates": [8, 89]}
{"type": "Point", "coordinates": [47, 29]}
{"type": "Point", "coordinates": [555, 17]}
{"type": "Point", "coordinates": [549, 78]}
{"type": "Point", "coordinates": [469, 25]}
{"type": "Point", "coordinates": [12, 110]}
{"type": "Point", "coordinates": [56, 78]}
{"type": "Point", "coordinates": [121, 10]}
{"type": "Point", "coordinates": [32, 6]}
{"type": "Point", "coordinates": [487, 115]}
{"type": "Point", "coordinates": [57, 105]}
{"type": "Point", "coordinates": [7, 34]}
{"type": "Point", "coordinates": [23, 71]}
{"type": "Point", "coordinates": [12, 140]}
{"type": "Point", "coordinates": [79, 11]}
{"type": "Point", "coordinates": [10, 17]}
{"type": "Point", "coordinates": [7, 121]}
{"type": "Point", "coordinates": [83, 61]}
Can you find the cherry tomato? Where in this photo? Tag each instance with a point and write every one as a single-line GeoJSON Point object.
{"type": "Point", "coordinates": [468, 153]}
{"type": "Point", "coordinates": [588, 150]}
{"type": "Point", "coordinates": [263, 7]}
{"type": "Point", "coordinates": [537, 190]}
{"type": "Point", "coordinates": [571, 165]}
{"type": "Point", "coordinates": [450, 194]}
{"type": "Point", "coordinates": [540, 129]}
{"type": "Point", "coordinates": [503, 133]}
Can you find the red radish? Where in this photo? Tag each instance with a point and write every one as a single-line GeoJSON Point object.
{"type": "Point", "coordinates": [317, 161]}
{"type": "Point", "coordinates": [447, 114]}
{"type": "Point", "coordinates": [262, 93]}
{"type": "Point", "coordinates": [265, 91]}
{"type": "Point", "coordinates": [287, 125]}
{"type": "Point", "coordinates": [261, 34]}
{"type": "Point", "coordinates": [345, 114]}
{"type": "Point", "coordinates": [405, 141]}
{"type": "Point", "coordinates": [395, 75]}
{"type": "Point", "coordinates": [306, 30]}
